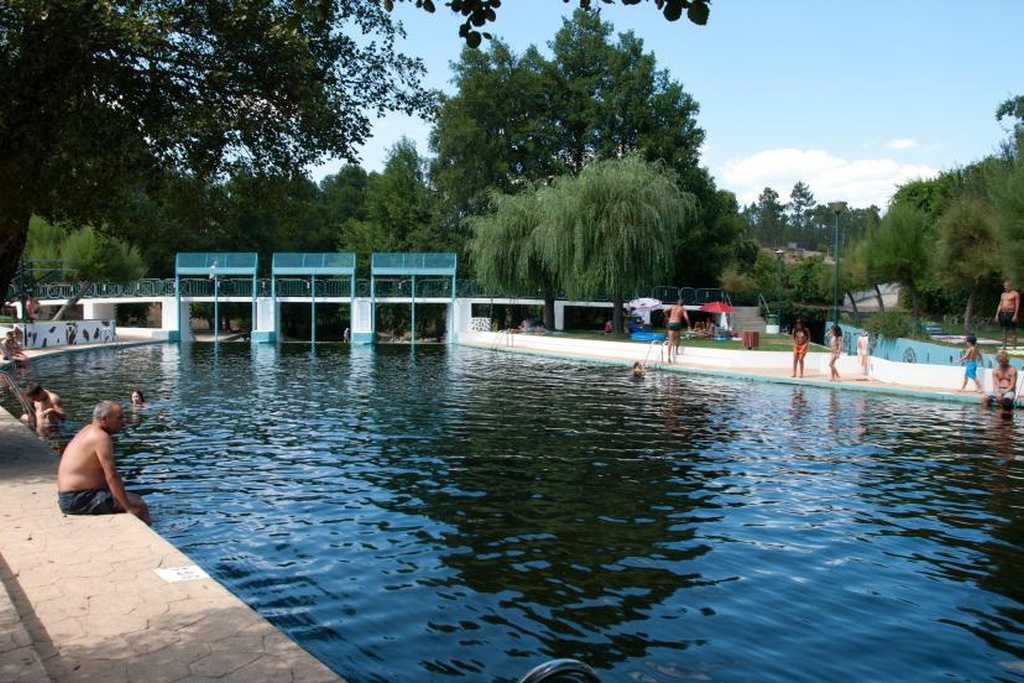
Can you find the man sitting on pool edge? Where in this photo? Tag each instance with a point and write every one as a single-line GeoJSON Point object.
{"type": "Point", "coordinates": [87, 478]}
{"type": "Point", "coordinates": [1004, 383]}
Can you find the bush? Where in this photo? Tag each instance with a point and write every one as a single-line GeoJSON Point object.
{"type": "Point", "coordinates": [890, 324]}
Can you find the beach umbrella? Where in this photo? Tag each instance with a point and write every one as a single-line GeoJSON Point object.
{"type": "Point", "coordinates": [716, 307]}
{"type": "Point", "coordinates": [644, 303]}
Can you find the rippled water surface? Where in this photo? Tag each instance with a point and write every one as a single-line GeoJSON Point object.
{"type": "Point", "coordinates": [436, 514]}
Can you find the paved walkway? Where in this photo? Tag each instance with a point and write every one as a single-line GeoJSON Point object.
{"type": "Point", "coordinates": [82, 599]}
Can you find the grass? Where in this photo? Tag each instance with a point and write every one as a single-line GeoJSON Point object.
{"type": "Point", "coordinates": [767, 342]}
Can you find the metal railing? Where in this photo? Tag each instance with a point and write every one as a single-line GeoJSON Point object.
{"type": "Point", "coordinates": [431, 287]}
{"type": "Point", "coordinates": [564, 669]}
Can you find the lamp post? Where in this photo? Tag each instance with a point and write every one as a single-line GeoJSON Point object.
{"type": "Point", "coordinates": [837, 208]}
{"type": "Point", "coordinates": [778, 258]}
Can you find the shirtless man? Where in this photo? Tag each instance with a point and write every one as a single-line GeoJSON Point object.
{"type": "Point", "coordinates": [1006, 312]}
{"type": "Point", "coordinates": [676, 316]}
{"type": "Point", "coordinates": [1004, 383]}
{"type": "Point", "coordinates": [87, 478]}
{"type": "Point", "coordinates": [49, 409]}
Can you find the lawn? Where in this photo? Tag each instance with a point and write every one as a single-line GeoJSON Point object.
{"type": "Point", "coordinates": [767, 342]}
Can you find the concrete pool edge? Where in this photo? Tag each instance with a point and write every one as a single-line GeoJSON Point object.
{"type": "Point", "coordinates": [775, 367]}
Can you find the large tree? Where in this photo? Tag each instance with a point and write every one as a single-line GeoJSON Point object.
{"type": "Point", "coordinates": [614, 230]}
{"type": "Point", "coordinates": [967, 253]}
{"type": "Point", "coordinates": [900, 250]}
{"type": "Point", "coordinates": [506, 251]}
{"type": "Point", "coordinates": [102, 95]}
{"type": "Point", "coordinates": [400, 208]}
{"type": "Point", "coordinates": [486, 141]}
{"type": "Point", "coordinates": [598, 97]}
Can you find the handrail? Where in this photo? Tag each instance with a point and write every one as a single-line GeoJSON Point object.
{"type": "Point", "coordinates": [661, 351]}
{"type": "Point", "coordinates": [761, 300]}
{"type": "Point", "coordinates": [25, 405]}
{"type": "Point", "coordinates": [502, 334]}
{"type": "Point", "coordinates": [560, 667]}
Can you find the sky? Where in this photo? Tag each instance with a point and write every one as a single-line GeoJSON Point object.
{"type": "Point", "coordinates": [851, 98]}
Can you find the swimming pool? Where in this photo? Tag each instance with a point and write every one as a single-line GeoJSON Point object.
{"type": "Point", "coordinates": [438, 513]}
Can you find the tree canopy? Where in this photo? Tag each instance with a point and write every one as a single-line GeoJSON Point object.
{"type": "Point", "coordinates": [479, 13]}
{"type": "Point", "coordinates": [100, 96]}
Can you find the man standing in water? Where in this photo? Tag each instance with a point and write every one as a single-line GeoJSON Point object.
{"type": "Point", "coordinates": [676, 315]}
{"type": "Point", "coordinates": [49, 410]}
{"type": "Point", "coordinates": [1006, 313]}
{"type": "Point", "coordinates": [87, 478]}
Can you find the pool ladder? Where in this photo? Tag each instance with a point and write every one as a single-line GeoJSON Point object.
{"type": "Point", "coordinates": [502, 336]}
{"type": "Point", "coordinates": [661, 353]}
{"type": "Point", "coordinates": [560, 669]}
{"type": "Point", "coordinates": [12, 386]}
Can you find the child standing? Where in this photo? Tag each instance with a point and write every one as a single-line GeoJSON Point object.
{"type": "Point", "coordinates": [970, 359]}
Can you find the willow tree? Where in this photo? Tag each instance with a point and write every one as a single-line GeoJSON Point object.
{"type": "Point", "coordinates": [504, 249]}
{"type": "Point", "coordinates": [614, 230]}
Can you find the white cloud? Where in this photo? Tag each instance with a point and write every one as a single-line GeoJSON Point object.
{"type": "Point", "coordinates": [859, 182]}
{"type": "Point", "coordinates": [902, 143]}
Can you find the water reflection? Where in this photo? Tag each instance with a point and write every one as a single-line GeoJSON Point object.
{"type": "Point", "coordinates": [432, 513]}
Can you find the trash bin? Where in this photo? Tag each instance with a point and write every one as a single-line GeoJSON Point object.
{"type": "Point", "coordinates": [772, 326]}
{"type": "Point", "coordinates": [751, 340]}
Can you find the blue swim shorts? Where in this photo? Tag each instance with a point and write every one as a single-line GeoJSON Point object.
{"type": "Point", "coordinates": [971, 370]}
{"type": "Point", "coordinates": [88, 502]}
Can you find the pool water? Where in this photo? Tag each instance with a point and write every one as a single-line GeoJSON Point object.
{"type": "Point", "coordinates": [435, 514]}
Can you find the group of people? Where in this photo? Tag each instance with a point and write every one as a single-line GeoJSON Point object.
{"type": "Point", "coordinates": [88, 482]}
{"type": "Point", "coordinates": [802, 343]}
{"type": "Point", "coordinates": [1004, 375]}
{"type": "Point", "coordinates": [13, 349]}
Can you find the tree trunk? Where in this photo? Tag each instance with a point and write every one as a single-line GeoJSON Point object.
{"type": "Point", "coordinates": [915, 306]}
{"type": "Point", "coordinates": [83, 287]}
{"type": "Point", "coordinates": [549, 310]}
{"type": "Point", "coordinates": [617, 313]}
{"type": "Point", "coordinates": [972, 296]}
{"type": "Point", "coordinates": [878, 296]}
{"type": "Point", "coordinates": [853, 305]}
{"type": "Point", "coordinates": [14, 219]}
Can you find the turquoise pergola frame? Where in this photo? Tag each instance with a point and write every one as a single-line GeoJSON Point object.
{"type": "Point", "coordinates": [339, 264]}
{"type": "Point", "coordinates": [433, 264]}
{"type": "Point", "coordinates": [215, 266]}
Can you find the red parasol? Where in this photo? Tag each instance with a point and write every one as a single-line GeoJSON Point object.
{"type": "Point", "coordinates": [716, 307]}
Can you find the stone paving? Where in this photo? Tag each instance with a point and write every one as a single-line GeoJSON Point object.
{"type": "Point", "coordinates": [82, 601]}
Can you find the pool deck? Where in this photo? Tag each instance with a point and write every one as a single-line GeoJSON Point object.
{"type": "Point", "coordinates": [82, 600]}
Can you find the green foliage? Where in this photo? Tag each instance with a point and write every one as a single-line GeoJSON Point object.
{"type": "Point", "coordinates": [598, 97]}
{"type": "Point", "coordinates": [890, 324]}
{"type": "Point", "coordinates": [200, 89]}
{"type": "Point", "coordinates": [505, 251]}
{"type": "Point", "coordinates": [400, 208]}
{"type": "Point", "coordinates": [615, 228]}
{"type": "Point", "coordinates": [1006, 185]}
{"type": "Point", "coordinates": [479, 13]}
{"type": "Point", "coordinates": [90, 256]}
{"type": "Point", "coordinates": [900, 250]}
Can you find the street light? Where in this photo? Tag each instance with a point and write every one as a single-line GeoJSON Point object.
{"type": "Point", "coordinates": [778, 258]}
{"type": "Point", "coordinates": [837, 208]}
